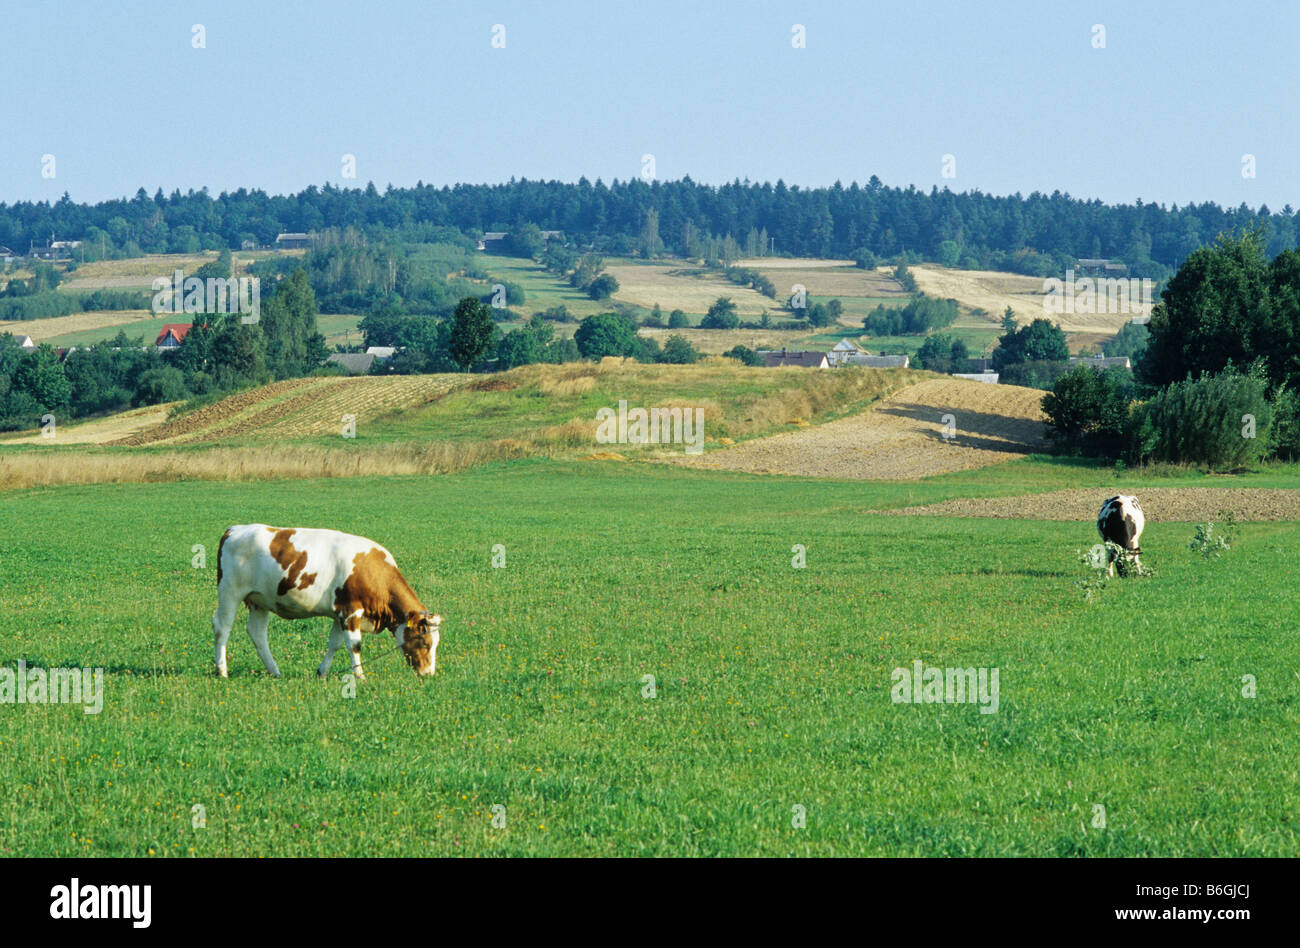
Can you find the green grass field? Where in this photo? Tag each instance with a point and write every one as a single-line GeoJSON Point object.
{"type": "Point", "coordinates": [773, 683]}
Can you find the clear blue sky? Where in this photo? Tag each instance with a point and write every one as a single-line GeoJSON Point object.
{"type": "Point", "coordinates": [117, 93]}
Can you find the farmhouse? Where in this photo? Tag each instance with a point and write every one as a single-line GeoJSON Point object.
{"type": "Point", "coordinates": [52, 249]}
{"type": "Point", "coordinates": [382, 352]}
{"type": "Point", "coordinates": [172, 335]}
{"type": "Point", "coordinates": [842, 351]}
{"type": "Point", "coordinates": [809, 360]}
{"type": "Point", "coordinates": [493, 237]}
{"type": "Point", "coordinates": [1100, 266]}
{"type": "Point", "coordinates": [353, 363]}
{"type": "Point", "coordinates": [292, 241]}
{"type": "Point", "coordinates": [24, 342]}
{"type": "Point", "coordinates": [989, 378]}
{"type": "Point", "coordinates": [879, 361]}
{"type": "Point", "coordinates": [1100, 362]}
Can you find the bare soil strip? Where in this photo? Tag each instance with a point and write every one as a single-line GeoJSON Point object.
{"type": "Point", "coordinates": [902, 437]}
{"type": "Point", "coordinates": [1159, 504]}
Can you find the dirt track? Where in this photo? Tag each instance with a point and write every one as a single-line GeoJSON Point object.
{"type": "Point", "coordinates": [1177, 504]}
{"type": "Point", "coordinates": [902, 437]}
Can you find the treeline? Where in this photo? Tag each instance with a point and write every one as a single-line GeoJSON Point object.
{"type": "Point", "coordinates": [470, 340]}
{"type": "Point", "coordinates": [219, 354]}
{"type": "Point", "coordinates": [1216, 382]}
{"type": "Point", "coordinates": [1039, 234]}
{"type": "Point", "coordinates": [36, 297]}
{"type": "Point", "coordinates": [921, 314]}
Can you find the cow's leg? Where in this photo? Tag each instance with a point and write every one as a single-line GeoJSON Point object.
{"type": "Point", "coordinates": [352, 632]}
{"type": "Point", "coordinates": [222, 621]}
{"type": "Point", "coordinates": [336, 639]}
{"type": "Point", "coordinates": [257, 622]}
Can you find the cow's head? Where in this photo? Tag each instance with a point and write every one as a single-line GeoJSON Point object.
{"type": "Point", "coordinates": [418, 639]}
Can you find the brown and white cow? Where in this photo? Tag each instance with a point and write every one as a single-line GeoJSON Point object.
{"type": "Point", "coordinates": [298, 573]}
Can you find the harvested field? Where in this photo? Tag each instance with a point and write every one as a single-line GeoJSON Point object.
{"type": "Point", "coordinates": [843, 282]}
{"type": "Point", "coordinates": [297, 407]}
{"type": "Point", "coordinates": [1159, 504]}
{"type": "Point", "coordinates": [42, 329]}
{"type": "Point", "coordinates": [140, 272]}
{"type": "Point", "coordinates": [718, 341]}
{"type": "Point", "coordinates": [689, 289]}
{"type": "Point", "coordinates": [993, 292]}
{"type": "Point", "coordinates": [101, 430]}
{"type": "Point", "coordinates": [902, 437]}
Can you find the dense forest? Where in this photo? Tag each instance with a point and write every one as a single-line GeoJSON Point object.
{"type": "Point", "coordinates": [1038, 234]}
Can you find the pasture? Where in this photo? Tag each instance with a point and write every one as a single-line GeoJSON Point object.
{"type": "Point", "coordinates": [772, 684]}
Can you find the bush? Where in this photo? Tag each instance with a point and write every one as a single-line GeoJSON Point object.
{"type": "Point", "coordinates": [1087, 412]}
{"type": "Point", "coordinates": [1221, 421]}
{"type": "Point", "coordinates": [865, 259]}
{"type": "Point", "coordinates": [1284, 434]}
{"type": "Point", "coordinates": [1040, 341]}
{"type": "Point", "coordinates": [921, 314]}
{"type": "Point", "coordinates": [905, 278]}
{"type": "Point", "coordinates": [603, 287]}
{"type": "Point", "coordinates": [721, 315]}
{"type": "Point", "coordinates": [1033, 374]}
{"type": "Point", "coordinates": [942, 353]}
{"type": "Point", "coordinates": [166, 384]}
{"type": "Point", "coordinates": [678, 351]}
{"type": "Point", "coordinates": [605, 334]}
{"type": "Point", "coordinates": [677, 320]}
{"type": "Point", "coordinates": [744, 354]}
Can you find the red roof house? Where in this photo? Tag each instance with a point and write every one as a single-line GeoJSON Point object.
{"type": "Point", "coordinates": [172, 335]}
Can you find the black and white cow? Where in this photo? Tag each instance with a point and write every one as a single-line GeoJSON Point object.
{"type": "Point", "coordinates": [1121, 522]}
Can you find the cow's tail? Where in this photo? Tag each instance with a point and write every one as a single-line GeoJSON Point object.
{"type": "Point", "coordinates": [221, 546]}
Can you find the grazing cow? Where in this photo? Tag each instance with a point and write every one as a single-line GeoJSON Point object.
{"type": "Point", "coordinates": [299, 573]}
{"type": "Point", "coordinates": [1121, 522]}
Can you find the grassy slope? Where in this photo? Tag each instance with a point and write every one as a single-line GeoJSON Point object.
{"type": "Point", "coordinates": [773, 683]}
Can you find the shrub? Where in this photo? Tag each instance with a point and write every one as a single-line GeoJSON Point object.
{"type": "Point", "coordinates": [865, 259]}
{"type": "Point", "coordinates": [677, 320]}
{"type": "Point", "coordinates": [605, 334]}
{"type": "Point", "coordinates": [1033, 374]}
{"type": "Point", "coordinates": [679, 351]}
{"type": "Point", "coordinates": [1284, 434]}
{"type": "Point", "coordinates": [1087, 412]}
{"type": "Point", "coordinates": [921, 314]}
{"type": "Point", "coordinates": [1221, 421]}
{"type": "Point", "coordinates": [603, 287]}
{"type": "Point", "coordinates": [744, 354]}
{"type": "Point", "coordinates": [905, 278]}
{"type": "Point", "coordinates": [721, 315]}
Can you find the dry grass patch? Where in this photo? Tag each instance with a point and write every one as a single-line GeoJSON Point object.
{"type": "Point", "coordinates": [298, 408]}
{"type": "Point", "coordinates": [901, 437]}
{"type": "Point", "coordinates": [718, 341]}
{"type": "Point", "coordinates": [994, 291]}
{"type": "Point", "coordinates": [843, 282]}
{"type": "Point", "coordinates": [100, 430]}
{"type": "Point", "coordinates": [689, 289]}
{"type": "Point", "coordinates": [253, 463]}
